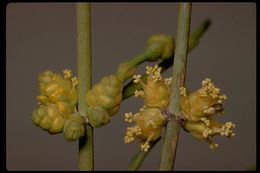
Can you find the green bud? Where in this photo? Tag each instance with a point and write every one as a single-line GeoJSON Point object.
{"type": "Point", "coordinates": [106, 94]}
{"type": "Point", "coordinates": [48, 118]}
{"type": "Point", "coordinates": [46, 77]}
{"type": "Point", "coordinates": [97, 116]}
{"type": "Point", "coordinates": [73, 127]}
{"type": "Point", "coordinates": [125, 71]}
{"type": "Point", "coordinates": [159, 47]}
{"type": "Point", "coordinates": [46, 123]}
{"type": "Point", "coordinates": [38, 114]}
{"type": "Point", "coordinates": [57, 125]}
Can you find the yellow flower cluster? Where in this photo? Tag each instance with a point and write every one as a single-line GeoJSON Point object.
{"type": "Point", "coordinates": [104, 99]}
{"type": "Point", "coordinates": [149, 121]}
{"type": "Point", "coordinates": [198, 110]}
{"type": "Point", "coordinates": [200, 107]}
{"type": "Point", "coordinates": [57, 104]}
{"type": "Point", "coordinates": [156, 90]}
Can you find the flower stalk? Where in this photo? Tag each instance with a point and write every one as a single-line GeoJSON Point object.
{"type": "Point", "coordinates": [171, 136]}
{"type": "Point", "coordinates": [84, 63]}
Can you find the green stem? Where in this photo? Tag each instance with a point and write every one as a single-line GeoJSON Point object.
{"type": "Point", "coordinates": [171, 136]}
{"type": "Point", "coordinates": [86, 146]}
{"type": "Point", "coordinates": [136, 60]}
{"type": "Point", "coordinates": [139, 157]}
{"type": "Point", "coordinates": [130, 88]}
{"type": "Point", "coordinates": [194, 38]}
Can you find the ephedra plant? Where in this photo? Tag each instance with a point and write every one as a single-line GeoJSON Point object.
{"type": "Point", "coordinates": [72, 106]}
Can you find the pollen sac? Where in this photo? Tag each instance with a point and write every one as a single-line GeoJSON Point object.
{"type": "Point", "coordinates": [159, 46]}
{"type": "Point", "coordinates": [199, 108]}
{"type": "Point", "coordinates": [106, 94]}
{"type": "Point", "coordinates": [156, 91]}
{"type": "Point", "coordinates": [148, 124]}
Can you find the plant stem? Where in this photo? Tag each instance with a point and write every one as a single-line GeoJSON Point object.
{"type": "Point", "coordinates": [130, 88]}
{"type": "Point", "coordinates": [139, 157]}
{"type": "Point", "coordinates": [171, 137]}
{"type": "Point", "coordinates": [194, 37]}
{"type": "Point", "coordinates": [86, 146]}
{"type": "Point", "coordinates": [136, 60]}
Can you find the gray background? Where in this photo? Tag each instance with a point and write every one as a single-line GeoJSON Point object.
{"type": "Point", "coordinates": [41, 36]}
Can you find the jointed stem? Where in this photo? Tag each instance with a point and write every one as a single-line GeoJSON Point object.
{"type": "Point", "coordinates": [178, 78]}
{"type": "Point", "coordinates": [136, 60]}
{"type": "Point", "coordinates": [86, 146]}
{"type": "Point", "coordinates": [130, 88]}
{"type": "Point", "coordinates": [139, 157]}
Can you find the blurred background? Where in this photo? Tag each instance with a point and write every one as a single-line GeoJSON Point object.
{"type": "Point", "coordinates": [41, 36]}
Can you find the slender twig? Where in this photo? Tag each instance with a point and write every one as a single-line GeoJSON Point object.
{"type": "Point", "coordinates": [139, 157]}
{"type": "Point", "coordinates": [138, 59]}
{"type": "Point", "coordinates": [171, 136]}
{"type": "Point", "coordinates": [86, 146]}
{"type": "Point", "coordinates": [131, 87]}
{"type": "Point", "coordinates": [194, 37]}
